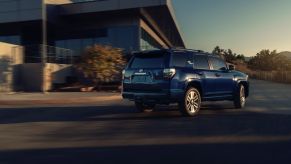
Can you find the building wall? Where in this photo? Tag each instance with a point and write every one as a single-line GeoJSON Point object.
{"type": "Point", "coordinates": [32, 76]}
{"type": "Point", "coordinates": [38, 77]}
{"type": "Point", "coordinates": [56, 74]}
{"type": "Point", "coordinates": [11, 57]}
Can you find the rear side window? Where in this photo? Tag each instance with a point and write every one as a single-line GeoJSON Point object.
{"type": "Point", "coordinates": [217, 63]}
{"type": "Point", "coordinates": [148, 61]}
{"type": "Point", "coordinates": [181, 59]}
{"type": "Point", "coordinates": [201, 62]}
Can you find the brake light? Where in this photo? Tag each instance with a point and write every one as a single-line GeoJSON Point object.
{"type": "Point", "coordinates": [169, 73]}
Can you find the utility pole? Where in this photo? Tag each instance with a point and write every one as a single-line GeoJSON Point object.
{"type": "Point", "coordinates": [44, 45]}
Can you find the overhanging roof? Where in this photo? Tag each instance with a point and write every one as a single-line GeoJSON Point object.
{"type": "Point", "coordinates": [158, 13]}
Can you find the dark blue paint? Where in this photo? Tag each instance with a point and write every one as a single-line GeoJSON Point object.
{"type": "Point", "coordinates": [214, 85]}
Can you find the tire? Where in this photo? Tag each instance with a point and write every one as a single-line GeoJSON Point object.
{"type": "Point", "coordinates": [191, 104]}
{"type": "Point", "coordinates": [141, 107]}
{"type": "Point", "coordinates": [240, 97]}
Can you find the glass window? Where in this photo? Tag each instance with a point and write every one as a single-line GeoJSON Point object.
{"type": "Point", "coordinates": [201, 62]}
{"type": "Point", "coordinates": [148, 61]}
{"type": "Point", "coordinates": [12, 39]}
{"type": "Point", "coordinates": [87, 42]}
{"type": "Point", "coordinates": [217, 63]}
{"type": "Point", "coordinates": [75, 45]}
{"type": "Point", "coordinates": [60, 43]}
{"type": "Point", "coordinates": [78, 41]}
{"type": "Point", "coordinates": [179, 59]}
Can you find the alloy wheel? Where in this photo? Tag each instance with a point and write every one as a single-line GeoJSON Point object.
{"type": "Point", "coordinates": [242, 96]}
{"type": "Point", "coordinates": [192, 102]}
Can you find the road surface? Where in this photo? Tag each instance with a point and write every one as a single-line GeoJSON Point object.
{"type": "Point", "coordinates": [111, 132]}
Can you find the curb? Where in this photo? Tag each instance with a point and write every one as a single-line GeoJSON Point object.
{"type": "Point", "coordinates": [61, 101]}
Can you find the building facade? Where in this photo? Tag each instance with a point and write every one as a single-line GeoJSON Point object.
{"type": "Point", "coordinates": [72, 25]}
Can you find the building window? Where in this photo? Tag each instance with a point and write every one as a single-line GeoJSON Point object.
{"type": "Point", "coordinates": [147, 42]}
{"type": "Point", "coordinates": [78, 45]}
{"type": "Point", "coordinates": [77, 41]}
{"type": "Point", "coordinates": [81, 1]}
{"type": "Point", "coordinates": [12, 39]}
{"type": "Point", "coordinates": [96, 33]}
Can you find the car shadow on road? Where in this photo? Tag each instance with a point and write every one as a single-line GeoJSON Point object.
{"type": "Point", "coordinates": [100, 113]}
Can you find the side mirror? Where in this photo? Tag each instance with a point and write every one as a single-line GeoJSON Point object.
{"type": "Point", "coordinates": [231, 67]}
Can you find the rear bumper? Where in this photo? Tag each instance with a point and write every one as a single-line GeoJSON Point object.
{"type": "Point", "coordinates": [158, 98]}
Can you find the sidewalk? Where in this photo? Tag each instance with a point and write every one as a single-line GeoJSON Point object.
{"type": "Point", "coordinates": [57, 98]}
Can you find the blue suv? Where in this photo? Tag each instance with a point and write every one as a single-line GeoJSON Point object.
{"type": "Point", "coordinates": [186, 77]}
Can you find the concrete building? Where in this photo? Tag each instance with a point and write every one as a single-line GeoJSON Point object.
{"type": "Point", "coordinates": [11, 58]}
{"type": "Point", "coordinates": [74, 24]}
{"type": "Point", "coordinates": [50, 31]}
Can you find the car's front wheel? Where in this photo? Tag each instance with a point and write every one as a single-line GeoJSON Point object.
{"type": "Point", "coordinates": [240, 97]}
{"type": "Point", "coordinates": [191, 104]}
{"type": "Point", "coordinates": [141, 107]}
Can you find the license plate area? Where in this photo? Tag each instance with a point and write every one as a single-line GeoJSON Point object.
{"type": "Point", "coordinates": [141, 79]}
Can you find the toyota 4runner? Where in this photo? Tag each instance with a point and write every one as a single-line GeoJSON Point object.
{"type": "Point", "coordinates": [186, 77]}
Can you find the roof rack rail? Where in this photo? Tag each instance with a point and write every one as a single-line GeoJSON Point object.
{"type": "Point", "coordinates": [182, 48]}
{"type": "Point", "coordinates": [201, 51]}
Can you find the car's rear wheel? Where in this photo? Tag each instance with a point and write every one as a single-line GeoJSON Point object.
{"type": "Point", "coordinates": [240, 97]}
{"type": "Point", "coordinates": [141, 107]}
{"type": "Point", "coordinates": [191, 104]}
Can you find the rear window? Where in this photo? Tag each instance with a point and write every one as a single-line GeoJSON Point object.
{"type": "Point", "coordinates": [152, 60]}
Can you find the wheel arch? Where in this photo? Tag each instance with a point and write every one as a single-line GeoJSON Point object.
{"type": "Point", "coordinates": [246, 85]}
{"type": "Point", "coordinates": [194, 84]}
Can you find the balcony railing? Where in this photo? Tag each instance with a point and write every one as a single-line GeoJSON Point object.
{"type": "Point", "coordinates": [49, 54]}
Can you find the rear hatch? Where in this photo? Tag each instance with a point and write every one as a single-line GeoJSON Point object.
{"type": "Point", "coordinates": [145, 73]}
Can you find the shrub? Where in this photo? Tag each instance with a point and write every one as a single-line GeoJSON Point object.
{"type": "Point", "coordinates": [102, 64]}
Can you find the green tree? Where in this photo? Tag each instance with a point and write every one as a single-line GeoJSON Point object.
{"type": "Point", "coordinates": [241, 57]}
{"type": "Point", "coordinates": [218, 51]}
{"type": "Point", "coordinates": [228, 55]}
{"type": "Point", "coordinates": [102, 64]}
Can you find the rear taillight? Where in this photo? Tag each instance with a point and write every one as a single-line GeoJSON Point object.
{"type": "Point", "coordinates": [169, 72]}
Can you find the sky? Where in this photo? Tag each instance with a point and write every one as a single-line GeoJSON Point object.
{"type": "Point", "coordinates": [245, 26]}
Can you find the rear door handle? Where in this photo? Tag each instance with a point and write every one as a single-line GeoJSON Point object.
{"type": "Point", "coordinates": [217, 75]}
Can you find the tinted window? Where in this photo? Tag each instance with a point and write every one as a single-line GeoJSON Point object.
{"type": "Point", "coordinates": [201, 62]}
{"type": "Point", "coordinates": [148, 61]}
{"type": "Point", "coordinates": [179, 59]}
{"type": "Point", "coordinates": [217, 63]}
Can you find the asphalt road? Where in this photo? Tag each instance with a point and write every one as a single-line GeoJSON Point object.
{"type": "Point", "coordinates": [111, 132]}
